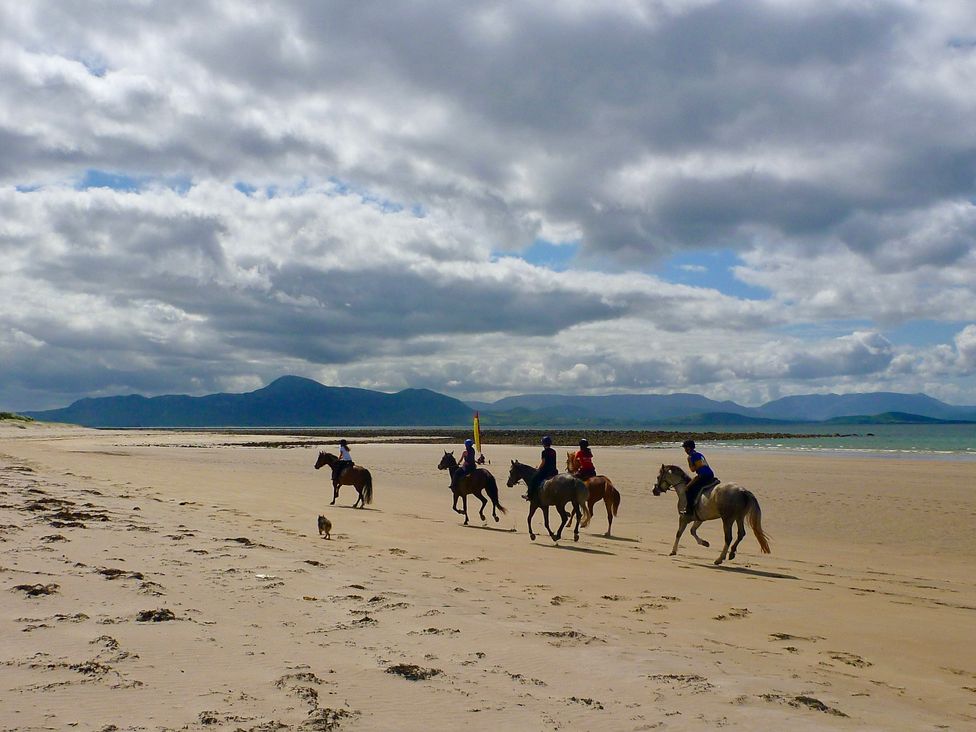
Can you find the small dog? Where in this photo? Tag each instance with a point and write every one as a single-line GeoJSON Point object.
{"type": "Point", "coordinates": [325, 527]}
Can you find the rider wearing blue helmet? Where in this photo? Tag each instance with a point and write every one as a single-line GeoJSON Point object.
{"type": "Point", "coordinates": [547, 469]}
{"type": "Point", "coordinates": [467, 464]}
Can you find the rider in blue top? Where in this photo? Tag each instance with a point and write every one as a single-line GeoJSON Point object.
{"type": "Point", "coordinates": [703, 475]}
{"type": "Point", "coordinates": [467, 463]}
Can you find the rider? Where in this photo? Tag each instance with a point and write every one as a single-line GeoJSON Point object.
{"type": "Point", "coordinates": [467, 465]}
{"type": "Point", "coordinates": [547, 469]}
{"type": "Point", "coordinates": [344, 461]}
{"type": "Point", "coordinates": [703, 475]}
{"type": "Point", "coordinates": [584, 461]}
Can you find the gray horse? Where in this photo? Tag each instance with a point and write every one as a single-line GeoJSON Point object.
{"type": "Point", "coordinates": [726, 501]}
{"type": "Point", "coordinates": [557, 491]}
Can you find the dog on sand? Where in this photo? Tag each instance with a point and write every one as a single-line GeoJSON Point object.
{"type": "Point", "coordinates": [325, 527]}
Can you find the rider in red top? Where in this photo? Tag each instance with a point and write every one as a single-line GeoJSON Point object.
{"type": "Point", "coordinates": [584, 461]}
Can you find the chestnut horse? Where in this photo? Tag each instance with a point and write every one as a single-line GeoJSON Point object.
{"type": "Point", "coordinates": [472, 484]}
{"type": "Point", "coordinates": [599, 487]}
{"type": "Point", "coordinates": [727, 501]}
{"type": "Point", "coordinates": [353, 475]}
{"type": "Point", "coordinates": [556, 491]}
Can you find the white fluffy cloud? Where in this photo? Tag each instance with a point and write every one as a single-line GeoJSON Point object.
{"type": "Point", "coordinates": [400, 157]}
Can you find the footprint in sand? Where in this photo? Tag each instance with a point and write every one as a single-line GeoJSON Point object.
{"type": "Point", "coordinates": [850, 659]}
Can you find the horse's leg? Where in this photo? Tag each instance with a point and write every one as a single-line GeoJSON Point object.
{"type": "Point", "coordinates": [694, 532]}
{"type": "Point", "coordinates": [335, 492]}
{"type": "Point", "coordinates": [564, 519]}
{"type": "Point", "coordinates": [608, 502]}
{"type": "Point", "coordinates": [727, 525]}
{"type": "Point", "coordinates": [532, 508]}
{"type": "Point", "coordinates": [579, 515]}
{"type": "Point", "coordinates": [545, 516]}
{"type": "Point", "coordinates": [682, 523]}
{"type": "Point", "coordinates": [484, 502]}
{"type": "Point", "coordinates": [464, 502]}
{"type": "Point", "coordinates": [742, 532]}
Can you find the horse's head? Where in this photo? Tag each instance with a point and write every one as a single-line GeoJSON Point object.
{"type": "Point", "coordinates": [668, 477]}
{"type": "Point", "coordinates": [447, 462]}
{"type": "Point", "coordinates": [323, 460]}
{"type": "Point", "coordinates": [572, 464]}
{"type": "Point", "coordinates": [661, 485]}
{"type": "Point", "coordinates": [515, 473]}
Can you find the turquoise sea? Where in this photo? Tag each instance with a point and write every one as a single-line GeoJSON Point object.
{"type": "Point", "coordinates": [953, 441]}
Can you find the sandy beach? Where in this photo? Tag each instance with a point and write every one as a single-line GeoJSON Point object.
{"type": "Point", "coordinates": [161, 580]}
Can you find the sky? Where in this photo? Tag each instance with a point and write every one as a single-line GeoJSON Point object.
{"type": "Point", "coordinates": [745, 200]}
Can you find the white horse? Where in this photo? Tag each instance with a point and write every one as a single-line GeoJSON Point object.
{"type": "Point", "coordinates": [726, 501]}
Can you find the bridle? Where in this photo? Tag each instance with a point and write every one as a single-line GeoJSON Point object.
{"type": "Point", "coordinates": [662, 485]}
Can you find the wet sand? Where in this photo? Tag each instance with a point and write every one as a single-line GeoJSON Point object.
{"type": "Point", "coordinates": [175, 581]}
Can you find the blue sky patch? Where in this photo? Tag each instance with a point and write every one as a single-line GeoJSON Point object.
{"type": "Point", "coordinates": [710, 268]}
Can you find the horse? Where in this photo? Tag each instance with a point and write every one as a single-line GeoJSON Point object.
{"type": "Point", "coordinates": [599, 487]}
{"type": "Point", "coordinates": [353, 475]}
{"type": "Point", "coordinates": [727, 501]}
{"type": "Point", "coordinates": [472, 483]}
{"type": "Point", "coordinates": [556, 491]}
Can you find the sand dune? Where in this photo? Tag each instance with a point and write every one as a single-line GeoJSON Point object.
{"type": "Point", "coordinates": [177, 581]}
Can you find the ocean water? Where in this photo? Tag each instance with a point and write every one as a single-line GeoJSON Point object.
{"type": "Point", "coordinates": [892, 440]}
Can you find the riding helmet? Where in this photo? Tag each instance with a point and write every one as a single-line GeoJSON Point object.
{"type": "Point", "coordinates": [468, 442]}
{"type": "Point", "coordinates": [688, 443]}
{"type": "Point", "coordinates": [547, 440]}
{"type": "Point", "coordinates": [343, 443]}
{"type": "Point", "coordinates": [584, 442]}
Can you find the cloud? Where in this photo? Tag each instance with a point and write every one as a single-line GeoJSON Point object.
{"type": "Point", "coordinates": [391, 150]}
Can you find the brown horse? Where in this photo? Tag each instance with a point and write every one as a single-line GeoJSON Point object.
{"type": "Point", "coordinates": [727, 501]}
{"type": "Point", "coordinates": [556, 491]}
{"type": "Point", "coordinates": [472, 484]}
{"type": "Point", "coordinates": [600, 488]}
{"type": "Point", "coordinates": [353, 475]}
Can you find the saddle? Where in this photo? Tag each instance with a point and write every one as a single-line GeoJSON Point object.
{"type": "Point", "coordinates": [704, 490]}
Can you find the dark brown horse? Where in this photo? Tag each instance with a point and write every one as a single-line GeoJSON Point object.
{"type": "Point", "coordinates": [600, 488]}
{"type": "Point", "coordinates": [353, 475]}
{"type": "Point", "coordinates": [557, 491]}
{"type": "Point", "coordinates": [727, 501]}
{"type": "Point", "coordinates": [472, 484]}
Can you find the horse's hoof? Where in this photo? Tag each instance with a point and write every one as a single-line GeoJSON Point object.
{"type": "Point", "coordinates": [532, 536]}
{"type": "Point", "coordinates": [496, 519]}
{"type": "Point", "coordinates": [704, 543]}
{"type": "Point", "coordinates": [575, 537]}
{"type": "Point", "coordinates": [718, 561]}
{"type": "Point", "coordinates": [672, 554]}
{"type": "Point", "coordinates": [465, 522]}
{"type": "Point", "coordinates": [607, 534]}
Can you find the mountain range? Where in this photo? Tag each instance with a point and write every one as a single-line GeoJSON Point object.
{"type": "Point", "coordinates": [293, 401]}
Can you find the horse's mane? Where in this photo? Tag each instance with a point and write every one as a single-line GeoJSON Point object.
{"type": "Point", "coordinates": [680, 470]}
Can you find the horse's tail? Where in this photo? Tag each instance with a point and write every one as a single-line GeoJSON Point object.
{"type": "Point", "coordinates": [492, 490]}
{"type": "Point", "coordinates": [368, 488]}
{"type": "Point", "coordinates": [754, 514]}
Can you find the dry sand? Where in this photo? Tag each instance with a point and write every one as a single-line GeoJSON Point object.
{"type": "Point", "coordinates": [861, 618]}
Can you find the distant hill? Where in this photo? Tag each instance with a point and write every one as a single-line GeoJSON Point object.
{"type": "Point", "coordinates": [629, 408]}
{"type": "Point", "coordinates": [290, 401]}
{"type": "Point", "coordinates": [664, 409]}
{"type": "Point", "coordinates": [893, 418]}
{"type": "Point", "coordinates": [818, 407]}
{"type": "Point", "coordinates": [723, 419]}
